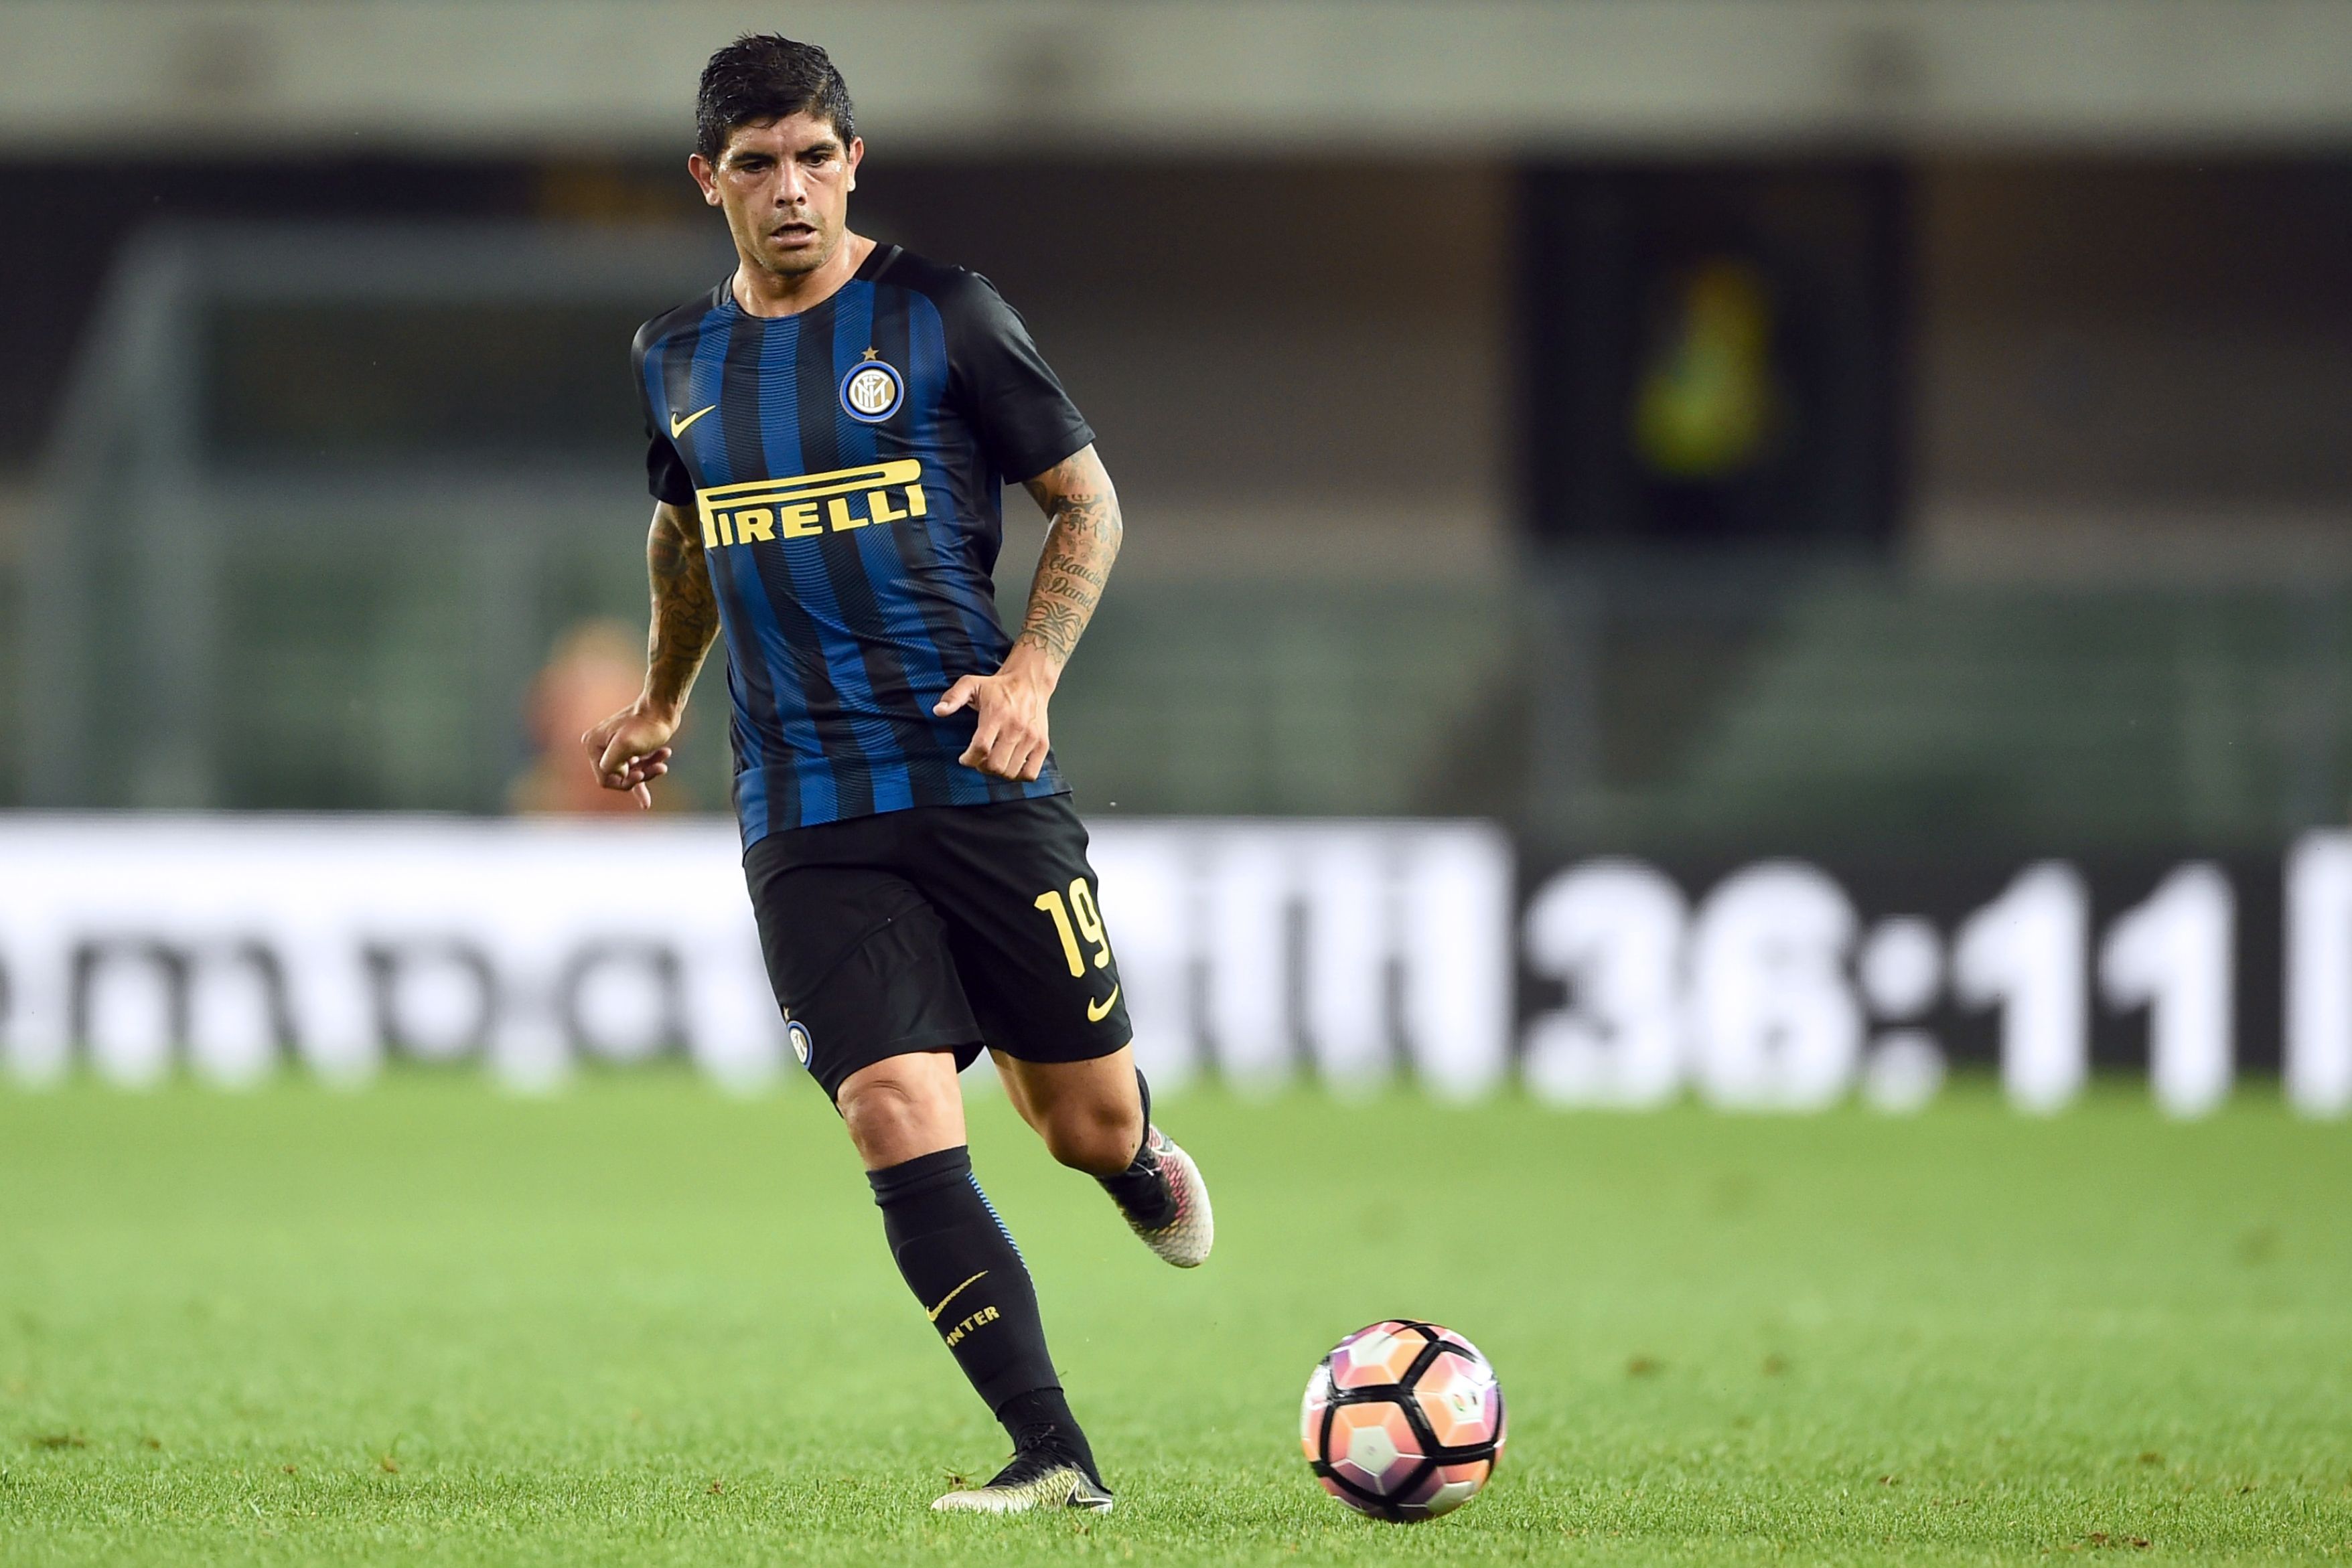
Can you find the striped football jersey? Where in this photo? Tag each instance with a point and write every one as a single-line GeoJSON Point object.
{"type": "Point", "coordinates": [845, 467]}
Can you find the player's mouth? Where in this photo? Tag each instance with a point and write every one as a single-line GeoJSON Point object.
{"type": "Point", "coordinates": [794, 235]}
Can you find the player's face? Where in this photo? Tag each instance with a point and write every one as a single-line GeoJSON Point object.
{"type": "Point", "coordinates": [785, 186]}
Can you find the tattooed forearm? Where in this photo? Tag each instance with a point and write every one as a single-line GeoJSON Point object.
{"type": "Point", "coordinates": [685, 614]}
{"type": "Point", "coordinates": [1081, 542]}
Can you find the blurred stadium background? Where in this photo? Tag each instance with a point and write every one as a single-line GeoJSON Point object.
{"type": "Point", "coordinates": [1857, 494]}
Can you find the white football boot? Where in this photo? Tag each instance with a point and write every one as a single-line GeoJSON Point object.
{"type": "Point", "coordinates": [1039, 1477]}
{"type": "Point", "coordinates": [1185, 1239]}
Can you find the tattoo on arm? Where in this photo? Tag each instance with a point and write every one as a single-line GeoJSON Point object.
{"type": "Point", "coordinates": [684, 610]}
{"type": "Point", "coordinates": [1081, 541]}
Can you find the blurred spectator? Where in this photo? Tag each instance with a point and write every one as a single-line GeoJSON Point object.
{"type": "Point", "coordinates": [1706, 407]}
{"type": "Point", "coordinates": [597, 667]}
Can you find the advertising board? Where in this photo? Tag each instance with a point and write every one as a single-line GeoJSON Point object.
{"type": "Point", "coordinates": [235, 946]}
{"type": "Point", "coordinates": [1351, 953]}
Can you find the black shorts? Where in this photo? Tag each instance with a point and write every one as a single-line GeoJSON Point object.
{"type": "Point", "coordinates": [937, 928]}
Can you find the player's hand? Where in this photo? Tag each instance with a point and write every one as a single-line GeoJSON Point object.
{"type": "Point", "coordinates": [1010, 741]}
{"type": "Point", "coordinates": [632, 749]}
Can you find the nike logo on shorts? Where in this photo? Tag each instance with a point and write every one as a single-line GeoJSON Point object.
{"type": "Point", "coordinates": [1097, 1011]}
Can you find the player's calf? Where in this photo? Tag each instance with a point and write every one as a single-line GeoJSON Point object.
{"type": "Point", "coordinates": [1100, 1140]}
{"type": "Point", "coordinates": [1162, 1196]}
{"type": "Point", "coordinates": [1096, 1116]}
{"type": "Point", "coordinates": [958, 1257]}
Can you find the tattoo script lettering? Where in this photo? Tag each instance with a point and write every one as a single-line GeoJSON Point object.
{"type": "Point", "coordinates": [1082, 539]}
{"type": "Point", "coordinates": [685, 611]}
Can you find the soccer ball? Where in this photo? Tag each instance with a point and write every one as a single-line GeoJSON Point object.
{"type": "Point", "coordinates": [1402, 1420]}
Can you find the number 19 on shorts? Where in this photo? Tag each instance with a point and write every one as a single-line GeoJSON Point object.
{"type": "Point", "coordinates": [1080, 904]}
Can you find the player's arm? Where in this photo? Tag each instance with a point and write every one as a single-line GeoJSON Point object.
{"type": "Point", "coordinates": [631, 747]}
{"type": "Point", "coordinates": [1082, 539]}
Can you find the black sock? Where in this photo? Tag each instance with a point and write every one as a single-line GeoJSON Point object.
{"type": "Point", "coordinates": [1140, 1189]}
{"type": "Point", "coordinates": [960, 1260]}
{"type": "Point", "coordinates": [1045, 1413]}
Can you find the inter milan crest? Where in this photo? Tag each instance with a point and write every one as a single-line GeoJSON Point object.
{"type": "Point", "coordinates": [872, 390]}
{"type": "Point", "coordinates": [803, 1042]}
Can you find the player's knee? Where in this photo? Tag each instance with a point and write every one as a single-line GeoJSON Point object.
{"type": "Point", "coordinates": [890, 1120]}
{"type": "Point", "coordinates": [1099, 1140]}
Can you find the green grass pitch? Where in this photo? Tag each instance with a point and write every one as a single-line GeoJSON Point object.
{"type": "Point", "coordinates": [642, 1323]}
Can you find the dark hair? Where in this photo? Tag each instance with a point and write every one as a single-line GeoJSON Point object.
{"type": "Point", "coordinates": [761, 76]}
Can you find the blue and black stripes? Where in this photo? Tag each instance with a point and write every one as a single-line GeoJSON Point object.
{"type": "Point", "coordinates": [858, 587]}
{"type": "Point", "coordinates": [1004, 1229]}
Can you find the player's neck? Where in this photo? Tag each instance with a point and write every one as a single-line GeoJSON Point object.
{"type": "Point", "coordinates": [765, 293]}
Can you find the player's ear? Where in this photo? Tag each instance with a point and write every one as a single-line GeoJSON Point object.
{"type": "Point", "coordinates": [855, 153]}
{"type": "Point", "coordinates": [705, 175]}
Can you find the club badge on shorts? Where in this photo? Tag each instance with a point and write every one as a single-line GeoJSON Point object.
{"type": "Point", "coordinates": [872, 390]}
{"type": "Point", "coordinates": [802, 1041]}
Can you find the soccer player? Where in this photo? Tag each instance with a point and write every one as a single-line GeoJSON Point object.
{"type": "Point", "coordinates": [828, 428]}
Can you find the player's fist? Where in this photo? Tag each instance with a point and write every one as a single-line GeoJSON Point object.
{"type": "Point", "coordinates": [632, 749]}
{"type": "Point", "coordinates": [1010, 739]}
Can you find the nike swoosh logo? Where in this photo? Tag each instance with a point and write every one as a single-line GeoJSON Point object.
{"type": "Point", "coordinates": [1097, 1011]}
{"type": "Point", "coordinates": [952, 1295]}
{"type": "Point", "coordinates": [678, 426]}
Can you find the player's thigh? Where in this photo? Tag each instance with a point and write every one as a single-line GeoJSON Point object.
{"type": "Point", "coordinates": [1089, 1112]}
{"type": "Point", "coordinates": [861, 967]}
{"type": "Point", "coordinates": [1049, 1091]}
{"type": "Point", "coordinates": [1026, 926]}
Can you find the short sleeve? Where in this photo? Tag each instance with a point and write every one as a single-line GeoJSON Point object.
{"type": "Point", "coordinates": [666, 473]}
{"type": "Point", "coordinates": [667, 476]}
{"type": "Point", "coordinates": [1025, 421]}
